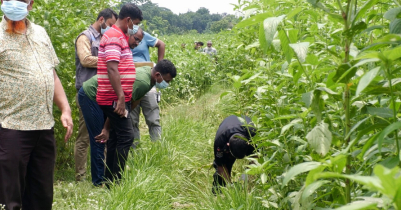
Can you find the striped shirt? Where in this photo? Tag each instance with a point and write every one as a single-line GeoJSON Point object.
{"type": "Point", "coordinates": [114, 47]}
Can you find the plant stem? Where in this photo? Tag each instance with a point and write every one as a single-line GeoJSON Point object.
{"type": "Point", "coordinates": [394, 113]}
{"type": "Point", "coordinates": [347, 108]}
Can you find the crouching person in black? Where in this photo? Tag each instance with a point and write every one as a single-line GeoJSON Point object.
{"type": "Point", "coordinates": [231, 143]}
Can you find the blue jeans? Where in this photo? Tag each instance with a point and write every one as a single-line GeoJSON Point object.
{"type": "Point", "coordinates": [94, 120]}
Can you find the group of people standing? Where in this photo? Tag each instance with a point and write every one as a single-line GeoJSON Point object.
{"type": "Point", "coordinates": [109, 87]}
{"type": "Point", "coordinates": [90, 74]}
{"type": "Point", "coordinates": [114, 80]}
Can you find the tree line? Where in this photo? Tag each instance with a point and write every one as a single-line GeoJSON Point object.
{"type": "Point", "coordinates": [163, 21]}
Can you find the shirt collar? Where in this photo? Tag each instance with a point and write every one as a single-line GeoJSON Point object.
{"type": "Point", "coordinates": [120, 31]}
{"type": "Point", "coordinates": [94, 31]}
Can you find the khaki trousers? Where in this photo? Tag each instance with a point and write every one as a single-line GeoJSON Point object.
{"type": "Point", "coordinates": [81, 147]}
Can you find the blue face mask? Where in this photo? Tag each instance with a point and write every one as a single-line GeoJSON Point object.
{"type": "Point", "coordinates": [103, 30]}
{"type": "Point", "coordinates": [133, 30]}
{"type": "Point", "coordinates": [15, 10]}
{"type": "Point", "coordinates": [162, 85]}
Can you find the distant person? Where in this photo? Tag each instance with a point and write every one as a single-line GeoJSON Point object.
{"type": "Point", "coordinates": [199, 46]}
{"type": "Point", "coordinates": [209, 49]}
{"type": "Point", "coordinates": [29, 86]}
{"type": "Point", "coordinates": [116, 77]}
{"type": "Point", "coordinates": [148, 104]}
{"type": "Point", "coordinates": [231, 143]}
{"type": "Point", "coordinates": [94, 118]}
{"type": "Point", "coordinates": [86, 52]}
{"type": "Point", "coordinates": [183, 46]}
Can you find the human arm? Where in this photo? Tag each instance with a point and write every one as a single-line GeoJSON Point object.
{"type": "Point", "coordinates": [161, 47]}
{"type": "Point", "coordinates": [60, 99]}
{"type": "Point", "coordinates": [134, 104]}
{"type": "Point", "coordinates": [114, 77]}
{"type": "Point", "coordinates": [84, 52]}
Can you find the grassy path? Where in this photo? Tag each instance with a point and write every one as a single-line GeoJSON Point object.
{"type": "Point", "coordinates": [173, 173]}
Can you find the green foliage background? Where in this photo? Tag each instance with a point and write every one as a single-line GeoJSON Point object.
{"type": "Point", "coordinates": [319, 79]}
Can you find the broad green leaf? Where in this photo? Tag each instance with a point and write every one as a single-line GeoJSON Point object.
{"type": "Point", "coordinates": [392, 14]}
{"type": "Point", "coordinates": [395, 26]}
{"type": "Point", "coordinates": [253, 45]}
{"type": "Point", "coordinates": [386, 131]}
{"type": "Point", "coordinates": [368, 55]}
{"type": "Point", "coordinates": [312, 59]}
{"type": "Point", "coordinates": [301, 50]}
{"type": "Point", "coordinates": [320, 138]}
{"type": "Point", "coordinates": [312, 188]}
{"type": "Point", "coordinates": [365, 61]}
{"type": "Point", "coordinates": [293, 35]}
{"type": "Point", "coordinates": [366, 80]}
{"type": "Point", "coordinates": [393, 82]}
{"type": "Point", "coordinates": [390, 182]}
{"type": "Point", "coordinates": [289, 125]}
{"type": "Point", "coordinates": [277, 45]}
{"type": "Point", "coordinates": [285, 45]}
{"type": "Point", "coordinates": [344, 73]}
{"type": "Point", "coordinates": [327, 90]}
{"type": "Point", "coordinates": [262, 38]}
{"type": "Point", "coordinates": [307, 98]}
{"type": "Point", "coordinates": [356, 29]}
{"type": "Point", "coordinates": [393, 54]}
{"type": "Point", "coordinates": [369, 181]}
{"type": "Point", "coordinates": [358, 205]}
{"type": "Point", "coordinates": [254, 20]}
{"type": "Point", "coordinates": [298, 169]}
{"type": "Point", "coordinates": [356, 126]}
{"type": "Point", "coordinates": [361, 13]}
{"type": "Point", "coordinates": [380, 111]}
{"type": "Point", "coordinates": [285, 117]}
{"type": "Point", "coordinates": [270, 25]}
{"type": "Point", "coordinates": [294, 12]}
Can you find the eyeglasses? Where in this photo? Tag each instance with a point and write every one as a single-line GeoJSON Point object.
{"type": "Point", "coordinates": [137, 40]}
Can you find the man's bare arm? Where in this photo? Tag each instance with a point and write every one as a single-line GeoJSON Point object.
{"type": "Point", "coordinates": [161, 48]}
{"type": "Point", "coordinates": [60, 99]}
{"type": "Point", "coordinates": [114, 77]}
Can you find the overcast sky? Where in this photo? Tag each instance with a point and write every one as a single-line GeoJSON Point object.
{"type": "Point", "coordinates": [182, 6]}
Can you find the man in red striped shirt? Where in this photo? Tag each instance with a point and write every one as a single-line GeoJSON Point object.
{"type": "Point", "coordinates": [116, 76]}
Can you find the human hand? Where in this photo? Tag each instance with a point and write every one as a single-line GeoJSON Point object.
{"type": "Point", "coordinates": [66, 120]}
{"type": "Point", "coordinates": [120, 107]}
{"type": "Point", "coordinates": [103, 136]}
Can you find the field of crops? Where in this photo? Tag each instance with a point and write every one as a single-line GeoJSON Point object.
{"type": "Point", "coordinates": [320, 79]}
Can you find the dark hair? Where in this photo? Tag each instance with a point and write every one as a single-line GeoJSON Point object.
{"type": "Point", "coordinates": [166, 67]}
{"type": "Point", "coordinates": [107, 14]}
{"type": "Point", "coordinates": [238, 145]}
{"type": "Point", "coordinates": [200, 43]}
{"type": "Point", "coordinates": [130, 10]}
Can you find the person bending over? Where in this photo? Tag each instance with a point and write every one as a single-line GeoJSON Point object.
{"type": "Point", "coordinates": [232, 142]}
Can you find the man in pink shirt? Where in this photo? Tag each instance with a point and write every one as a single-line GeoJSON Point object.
{"type": "Point", "coordinates": [116, 76]}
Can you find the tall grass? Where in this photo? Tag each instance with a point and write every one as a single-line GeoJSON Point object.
{"type": "Point", "coordinates": [174, 173]}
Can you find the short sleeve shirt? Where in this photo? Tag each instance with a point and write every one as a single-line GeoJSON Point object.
{"type": "Point", "coordinates": [141, 52]}
{"type": "Point", "coordinates": [114, 47]}
{"type": "Point", "coordinates": [27, 62]}
{"type": "Point", "coordinates": [210, 51]}
{"type": "Point", "coordinates": [231, 125]}
{"type": "Point", "coordinates": [141, 86]}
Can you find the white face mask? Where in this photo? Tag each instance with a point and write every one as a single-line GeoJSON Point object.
{"type": "Point", "coordinates": [15, 10]}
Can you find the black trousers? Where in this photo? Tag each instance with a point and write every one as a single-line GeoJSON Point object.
{"type": "Point", "coordinates": [119, 143]}
{"type": "Point", "coordinates": [27, 161]}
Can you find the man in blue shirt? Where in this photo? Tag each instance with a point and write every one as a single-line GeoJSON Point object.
{"type": "Point", "coordinates": [148, 104]}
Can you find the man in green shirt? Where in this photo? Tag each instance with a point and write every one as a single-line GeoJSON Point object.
{"type": "Point", "coordinates": [146, 78]}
